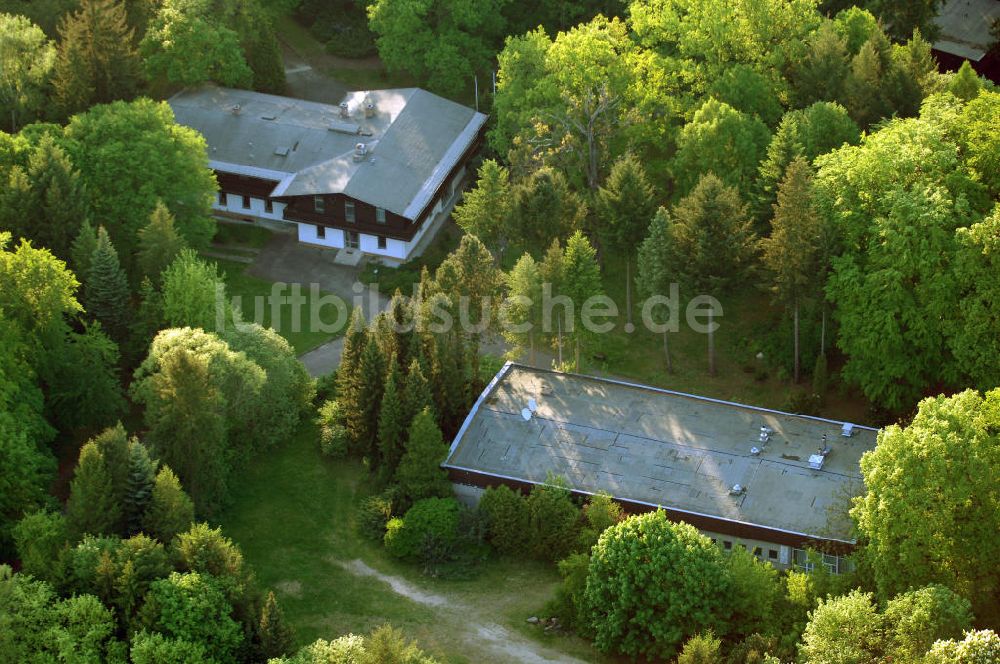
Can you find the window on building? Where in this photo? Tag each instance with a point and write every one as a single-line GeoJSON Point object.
{"type": "Point", "coordinates": [321, 232]}
{"type": "Point", "coordinates": [772, 554]}
{"type": "Point", "coordinates": [727, 545]}
{"type": "Point", "coordinates": [319, 205]}
{"type": "Point", "coordinates": [834, 564]}
{"type": "Point", "coordinates": [222, 198]}
{"type": "Point", "coordinates": [268, 206]}
{"type": "Point", "coordinates": [349, 211]}
{"type": "Point", "coordinates": [246, 202]}
{"type": "Point", "coordinates": [382, 242]}
{"type": "Point", "coordinates": [380, 215]}
{"type": "Point", "coordinates": [757, 551]}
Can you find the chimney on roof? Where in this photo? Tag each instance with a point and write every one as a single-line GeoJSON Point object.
{"type": "Point", "coordinates": [369, 108]}
{"type": "Point", "coordinates": [345, 110]}
{"type": "Point", "coordinates": [236, 109]}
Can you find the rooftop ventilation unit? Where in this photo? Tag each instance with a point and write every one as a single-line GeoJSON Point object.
{"type": "Point", "coordinates": [847, 430]}
{"type": "Point", "coordinates": [269, 117]}
{"type": "Point", "coordinates": [345, 110]}
{"type": "Point", "coordinates": [235, 109]}
{"type": "Point", "coordinates": [754, 451]}
{"type": "Point", "coordinates": [369, 108]}
{"type": "Point", "coordinates": [360, 152]}
{"type": "Point", "coordinates": [281, 151]}
{"type": "Point", "coordinates": [816, 460]}
{"type": "Point", "coordinates": [341, 127]}
{"type": "Point", "coordinates": [737, 490]}
{"type": "Point", "coordinates": [532, 405]}
{"type": "Point", "coordinates": [526, 414]}
{"type": "Point", "coordinates": [765, 434]}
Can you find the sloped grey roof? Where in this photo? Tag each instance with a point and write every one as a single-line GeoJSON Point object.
{"type": "Point", "coordinates": [413, 140]}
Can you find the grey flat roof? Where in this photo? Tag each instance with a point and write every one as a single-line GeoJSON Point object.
{"type": "Point", "coordinates": [965, 27]}
{"type": "Point", "coordinates": [413, 141]}
{"type": "Point", "coordinates": [657, 447]}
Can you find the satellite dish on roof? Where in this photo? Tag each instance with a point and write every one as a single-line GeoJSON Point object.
{"type": "Point", "coordinates": [532, 405]}
{"type": "Point", "coordinates": [526, 414]}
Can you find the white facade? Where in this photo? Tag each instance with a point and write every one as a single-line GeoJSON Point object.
{"type": "Point", "coordinates": [234, 204]}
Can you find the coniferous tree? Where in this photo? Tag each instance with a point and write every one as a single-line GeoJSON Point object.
{"type": "Point", "coordinates": [420, 474]}
{"type": "Point", "coordinates": [391, 425]}
{"type": "Point", "coordinates": [625, 205]}
{"type": "Point", "coordinates": [417, 394]}
{"type": "Point", "coordinates": [275, 634]}
{"type": "Point", "coordinates": [363, 410]}
{"type": "Point", "coordinates": [655, 273]}
{"type": "Point", "coordinates": [792, 251]}
{"type": "Point", "coordinates": [113, 444]}
{"type": "Point", "coordinates": [92, 507]}
{"type": "Point", "coordinates": [59, 203]}
{"type": "Point", "coordinates": [821, 73]}
{"type": "Point", "coordinates": [449, 381]}
{"type": "Point", "coordinates": [581, 279]}
{"type": "Point", "coordinates": [485, 209]}
{"type": "Point", "coordinates": [16, 201]}
{"type": "Point", "coordinates": [83, 248]}
{"type": "Point", "coordinates": [147, 322]}
{"type": "Point", "coordinates": [711, 229]}
{"type": "Point", "coordinates": [97, 61]}
{"type": "Point", "coordinates": [159, 243]}
{"type": "Point", "coordinates": [138, 486]}
{"type": "Point", "coordinates": [523, 305]}
{"type": "Point", "coordinates": [106, 291]}
{"type": "Point", "coordinates": [965, 83]}
{"type": "Point", "coordinates": [170, 511]}
{"type": "Point", "coordinates": [401, 317]}
{"type": "Point", "coordinates": [355, 338]}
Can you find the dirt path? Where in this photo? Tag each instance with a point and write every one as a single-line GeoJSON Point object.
{"type": "Point", "coordinates": [480, 633]}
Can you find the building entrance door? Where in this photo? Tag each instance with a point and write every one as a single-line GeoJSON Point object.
{"type": "Point", "coordinates": [353, 240]}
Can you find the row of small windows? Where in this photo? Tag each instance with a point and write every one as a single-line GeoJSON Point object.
{"type": "Point", "coordinates": [319, 205]}
{"type": "Point", "coordinates": [224, 202]}
{"type": "Point", "coordinates": [350, 216]}
{"type": "Point", "coordinates": [727, 545]}
{"type": "Point", "coordinates": [321, 235]}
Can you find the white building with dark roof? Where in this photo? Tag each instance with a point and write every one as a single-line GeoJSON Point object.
{"type": "Point", "coordinates": [377, 173]}
{"type": "Point", "coordinates": [774, 483]}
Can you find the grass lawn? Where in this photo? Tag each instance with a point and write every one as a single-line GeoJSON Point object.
{"type": "Point", "coordinates": [292, 515]}
{"type": "Point", "coordinates": [241, 234]}
{"type": "Point", "coordinates": [252, 293]}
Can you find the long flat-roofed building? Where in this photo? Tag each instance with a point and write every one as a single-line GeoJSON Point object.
{"type": "Point", "coordinates": [773, 482]}
{"type": "Point", "coordinates": [377, 173]}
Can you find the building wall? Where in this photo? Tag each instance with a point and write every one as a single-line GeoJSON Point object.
{"type": "Point", "coordinates": [234, 205]}
{"type": "Point", "coordinates": [781, 556]}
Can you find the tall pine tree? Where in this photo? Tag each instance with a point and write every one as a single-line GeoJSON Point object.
{"type": "Point", "coordinates": [138, 486]}
{"type": "Point", "coordinates": [106, 291]}
{"type": "Point", "coordinates": [274, 633]}
{"type": "Point", "coordinates": [391, 424]}
{"type": "Point", "coordinates": [792, 252]}
{"type": "Point", "coordinates": [363, 407]}
{"type": "Point", "coordinates": [159, 243]}
{"type": "Point", "coordinates": [97, 61]}
{"type": "Point", "coordinates": [92, 507]}
{"type": "Point", "coordinates": [420, 474]}
{"type": "Point", "coordinates": [170, 511]}
{"type": "Point", "coordinates": [581, 279]}
{"type": "Point", "coordinates": [83, 248]}
{"type": "Point", "coordinates": [59, 204]}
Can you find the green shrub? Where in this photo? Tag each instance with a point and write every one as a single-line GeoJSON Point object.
{"type": "Point", "coordinates": [552, 520]}
{"type": "Point", "coordinates": [568, 605]}
{"type": "Point", "coordinates": [653, 584]}
{"type": "Point", "coordinates": [333, 439]}
{"type": "Point", "coordinates": [428, 533]}
{"type": "Point", "coordinates": [374, 513]}
{"type": "Point", "coordinates": [600, 513]}
{"type": "Point", "coordinates": [506, 515]}
{"type": "Point", "coordinates": [701, 649]}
